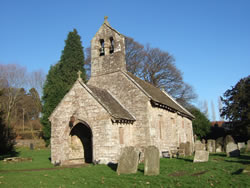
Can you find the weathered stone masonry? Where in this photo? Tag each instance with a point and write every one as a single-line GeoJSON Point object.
{"type": "Point", "coordinates": [94, 121]}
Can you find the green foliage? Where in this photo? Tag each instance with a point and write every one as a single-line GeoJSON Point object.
{"type": "Point", "coordinates": [201, 125]}
{"type": "Point", "coordinates": [219, 171]}
{"type": "Point", "coordinates": [236, 108]}
{"type": "Point", "coordinates": [61, 77]}
{"type": "Point", "coordinates": [7, 137]}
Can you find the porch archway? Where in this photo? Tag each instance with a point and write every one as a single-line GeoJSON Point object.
{"type": "Point", "coordinates": [81, 142]}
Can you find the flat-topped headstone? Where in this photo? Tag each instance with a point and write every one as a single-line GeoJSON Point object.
{"type": "Point", "coordinates": [188, 149]}
{"type": "Point", "coordinates": [201, 156]}
{"type": "Point", "coordinates": [232, 150]}
{"type": "Point", "coordinates": [128, 162]}
{"type": "Point", "coordinates": [199, 146]}
{"type": "Point", "coordinates": [211, 145]}
{"type": "Point", "coordinates": [152, 161]}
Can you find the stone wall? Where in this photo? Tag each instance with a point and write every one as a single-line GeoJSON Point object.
{"type": "Point", "coordinates": [168, 130]}
{"type": "Point", "coordinates": [37, 143]}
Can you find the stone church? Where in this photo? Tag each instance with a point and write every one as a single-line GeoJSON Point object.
{"type": "Point", "coordinates": [94, 121]}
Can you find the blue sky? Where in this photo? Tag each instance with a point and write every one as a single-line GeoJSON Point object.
{"type": "Point", "coordinates": [210, 39]}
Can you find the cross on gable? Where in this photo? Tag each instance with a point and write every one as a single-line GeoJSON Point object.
{"type": "Point", "coordinates": [79, 74]}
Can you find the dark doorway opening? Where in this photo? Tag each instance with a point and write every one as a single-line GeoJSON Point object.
{"type": "Point", "coordinates": [84, 133]}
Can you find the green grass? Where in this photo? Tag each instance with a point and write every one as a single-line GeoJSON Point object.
{"type": "Point", "coordinates": [220, 171]}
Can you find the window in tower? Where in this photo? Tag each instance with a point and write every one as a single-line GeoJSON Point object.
{"type": "Point", "coordinates": [111, 49]}
{"type": "Point", "coordinates": [102, 50]}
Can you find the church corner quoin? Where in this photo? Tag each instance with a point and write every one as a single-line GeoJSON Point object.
{"type": "Point", "coordinates": [115, 109]}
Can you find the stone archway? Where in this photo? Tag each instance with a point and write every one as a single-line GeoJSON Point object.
{"type": "Point", "coordinates": [81, 143]}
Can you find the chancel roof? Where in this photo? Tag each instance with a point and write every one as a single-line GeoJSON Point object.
{"type": "Point", "coordinates": [160, 98]}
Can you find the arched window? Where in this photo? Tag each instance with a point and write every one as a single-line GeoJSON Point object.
{"type": "Point", "coordinates": [102, 50]}
{"type": "Point", "coordinates": [111, 49]}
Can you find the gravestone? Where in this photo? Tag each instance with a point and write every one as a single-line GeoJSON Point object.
{"type": "Point", "coordinates": [219, 144]}
{"type": "Point", "coordinates": [232, 150]}
{"type": "Point", "coordinates": [241, 145]}
{"type": "Point", "coordinates": [128, 162]}
{"type": "Point", "coordinates": [211, 145]}
{"type": "Point", "coordinates": [188, 149]}
{"type": "Point", "coordinates": [228, 139]}
{"type": "Point", "coordinates": [248, 146]}
{"type": "Point", "coordinates": [199, 146]}
{"type": "Point", "coordinates": [219, 149]}
{"type": "Point", "coordinates": [151, 161]}
{"type": "Point", "coordinates": [182, 148]}
{"type": "Point", "coordinates": [203, 141]}
{"type": "Point", "coordinates": [201, 156]}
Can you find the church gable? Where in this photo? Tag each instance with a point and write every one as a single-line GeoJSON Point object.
{"type": "Point", "coordinates": [106, 101]}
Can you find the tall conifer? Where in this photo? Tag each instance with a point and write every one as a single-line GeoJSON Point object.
{"type": "Point", "coordinates": [61, 77]}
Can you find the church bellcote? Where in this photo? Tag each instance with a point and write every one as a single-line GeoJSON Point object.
{"type": "Point", "coordinates": [107, 50]}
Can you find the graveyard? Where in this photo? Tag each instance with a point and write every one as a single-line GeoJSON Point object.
{"type": "Point", "coordinates": [218, 171]}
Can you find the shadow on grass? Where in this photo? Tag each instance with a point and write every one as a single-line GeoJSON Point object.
{"type": "Point", "coordinates": [218, 154]}
{"type": "Point", "coordinates": [113, 166]}
{"type": "Point", "coordinates": [243, 159]}
{"type": "Point", "coordinates": [241, 162]}
{"type": "Point", "coordinates": [141, 170]}
{"type": "Point", "coordinates": [10, 154]}
{"type": "Point", "coordinates": [186, 159]}
{"type": "Point", "coordinates": [238, 172]}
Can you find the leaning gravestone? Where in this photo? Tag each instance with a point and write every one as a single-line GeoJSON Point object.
{"type": "Point", "coordinates": [151, 161]}
{"type": "Point", "coordinates": [232, 150]}
{"type": "Point", "coordinates": [201, 156]}
{"type": "Point", "coordinates": [241, 145]}
{"type": "Point", "coordinates": [128, 162]}
{"type": "Point", "coordinates": [199, 146]}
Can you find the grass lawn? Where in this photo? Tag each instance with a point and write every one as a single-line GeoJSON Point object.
{"type": "Point", "coordinates": [220, 171]}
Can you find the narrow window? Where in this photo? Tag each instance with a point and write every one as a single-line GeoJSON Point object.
{"type": "Point", "coordinates": [121, 135]}
{"type": "Point", "coordinates": [111, 49]}
{"type": "Point", "coordinates": [160, 125]}
{"type": "Point", "coordinates": [102, 51]}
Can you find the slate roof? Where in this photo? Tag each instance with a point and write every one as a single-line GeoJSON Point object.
{"type": "Point", "coordinates": [159, 96]}
{"type": "Point", "coordinates": [116, 110]}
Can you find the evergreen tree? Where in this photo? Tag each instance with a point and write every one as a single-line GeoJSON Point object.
{"type": "Point", "coordinates": [61, 77]}
{"type": "Point", "coordinates": [201, 124]}
{"type": "Point", "coordinates": [236, 108]}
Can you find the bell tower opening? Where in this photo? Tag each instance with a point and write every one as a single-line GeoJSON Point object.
{"type": "Point", "coordinates": [111, 49]}
{"type": "Point", "coordinates": [102, 49]}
